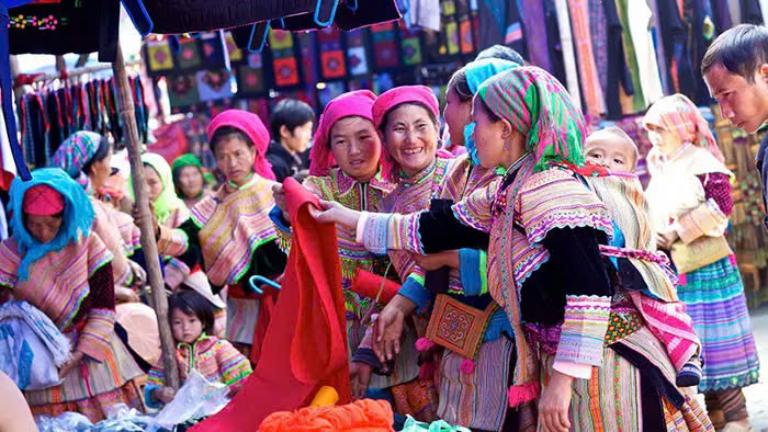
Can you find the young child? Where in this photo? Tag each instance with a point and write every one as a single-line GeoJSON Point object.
{"type": "Point", "coordinates": [633, 251]}
{"type": "Point", "coordinates": [191, 317]}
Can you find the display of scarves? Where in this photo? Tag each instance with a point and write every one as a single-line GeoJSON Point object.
{"type": "Point", "coordinates": [48, 116]}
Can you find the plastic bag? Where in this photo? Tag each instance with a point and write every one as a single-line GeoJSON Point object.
{"type": "Point", "coordinates": [121, 418]}
{"type": "Point", "coordinates": [197, 398]}
{"type": "Point", "coordinates": [67, 422]}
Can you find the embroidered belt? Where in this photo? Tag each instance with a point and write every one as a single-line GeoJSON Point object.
{"type": "Point", "coordinates": [639, 254]}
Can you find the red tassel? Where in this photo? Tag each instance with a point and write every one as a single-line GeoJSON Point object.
{"type": "Point", "coordinates": [520, 394]}
{"type": "Point", "coordinates": [423, 344]}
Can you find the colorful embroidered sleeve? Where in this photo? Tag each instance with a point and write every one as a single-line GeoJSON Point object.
{"type": "Point", "coordinates": [717, 186]}
{"type": "Point", "coordinates": [172, 242]}
{"type": "Point", "coordinates": [155, 380]}
{"type": "Point", "coordinates": [9, 263]}
{"type": "Point", "coordinates": [473, 269]}
{"type": "Point", "coordinates": [94, 339]}
{"type": "Point", "coordinates": [583, 333]}
{"type": "Point", "coordinates": [283, 228]}
{"type": "Point", "coordinates": [233, 366]}
{"type": "Point", "coordinates": [475, 210]}
{"type": "Point", "coordinates": [705, 219]}
{"type": "Point", "coordinates": [414, 290]}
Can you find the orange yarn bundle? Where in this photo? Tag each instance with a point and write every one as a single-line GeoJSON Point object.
{"type": "Point", "coordinates": [366, 415]}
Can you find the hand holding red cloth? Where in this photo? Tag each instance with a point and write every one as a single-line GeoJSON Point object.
{"type": "Point", "coordinates": [305, 346]}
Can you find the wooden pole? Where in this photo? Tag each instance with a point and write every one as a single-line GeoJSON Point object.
{"type": "Point", "coordinates": [160, 302]}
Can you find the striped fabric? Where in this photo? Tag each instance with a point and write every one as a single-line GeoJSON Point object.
{"type": "Point", "coordinates": [232, 227]}
{"type": "Point", "coordinates": [612, 398]}
{"type": "Point", "coordinates": [58, 282]}
{"type": "Point", "coordinates": [477, 400]}
{"type": "Point", "coordinates": [594, 102]}
{"type": "Point", "coordinates": [585, 322]}
{"type": "Point", "coordinates": [714, 295]}
{"type": "Point", "coordinates": [97, 407]}
{"type": "Point", "coordinates": [91, 380]}
{"type": "Point", "coordinates": [623, 196]}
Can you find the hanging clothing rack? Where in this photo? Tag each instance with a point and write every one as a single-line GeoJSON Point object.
{"type": "Point", "coordinates": [28, 79]}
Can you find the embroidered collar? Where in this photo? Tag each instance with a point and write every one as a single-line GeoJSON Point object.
{"type": "Point", "coordinates": [232, 187]}
{"type": "Point", "coordinates": [202, 343]}
{"type": "Point", "coordinates": [420, 177]}
{"type": "Point", "coordinates": [345, 183]}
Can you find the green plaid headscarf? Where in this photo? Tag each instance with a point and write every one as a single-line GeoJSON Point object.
{"type": "Point", "coordinates": [538, 106]}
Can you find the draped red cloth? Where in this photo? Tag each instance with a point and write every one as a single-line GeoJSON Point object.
{"type": "Point", "coordinates": [305, 346]}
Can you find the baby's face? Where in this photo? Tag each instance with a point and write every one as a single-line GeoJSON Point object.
{"type": "Point", "coordinates": [613, 153]}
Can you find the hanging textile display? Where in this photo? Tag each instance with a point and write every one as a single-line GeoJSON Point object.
{"type": "Point", "coordinates": [384, 46]}
{"type": "Point", "coordinates": [284, 62]}
{"type": "Point", "coordinates": [49, 115]}
{"type": "Point", "coordinates": [411, 46]}
{"type": "Point", "coordinates": [214, 84]}
{"type": "Point", "coordinates": [66, 26]}
{"type": "Point", "coordinates": [357, 55]}
{"type": "Point", "coordinates": [332, 59]}
{"type": "Point", "coordinates": [189, 54]}
{"type": "Point", "coordinates": [250, 76]}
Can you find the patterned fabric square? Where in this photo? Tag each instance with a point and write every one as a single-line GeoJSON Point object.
{"type": "Point", "coordinates": [457, 326]}
{"type": "Point", "coordinates": [333, 65]}
{"type": "Point", "coordinates": [214, 85]}
{"type": "Point", "coordinates": [212, 50]}
{"type": "Point", "coordinates": [452, 37]}
{"type": "Point", "coordinates": [309, 55]}
{"type": "Point", "coordinates": [188, 56]}
{"type": "Point", "coordinates": [235, 53]}
{"type": "Point", "coordinates": [411, 51]}
{"type": "Point", "coordinates": [280, 40]}
{"type": "Point", "coordinates": [358, 61]}
{"type": "Point", "coordinates": [159, 56]}
{"type": "Point", "coordinates": [465, 33]}
{"type": "Point", "coordinates": [250, 81]}
{"type": "Point", "coordinates": [286, 71]}
{"type": "Point", "coordinates": [182, 91]}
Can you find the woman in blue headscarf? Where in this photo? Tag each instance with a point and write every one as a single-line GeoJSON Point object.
{"type": "Point", "coordinates": [54, 262]}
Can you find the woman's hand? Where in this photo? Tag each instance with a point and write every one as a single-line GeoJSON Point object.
{"type": "Point", "coordinates": [554, 403]}
{"type": "Point", "coordinates": [438, 260]}
{"type": "Point", "coordinates": [388, 327]}
{"type": "Point", "coordinates": [138, 218]}
{"type": "Point", "coordinates": [126, 295]}
{"type": "Point", "coordinates": [278, 192]}
{"type": "Point", "coordinates": [77, 357]}
{"type": "Point", "coordinates": [164, 394]}
{"type": "Point", "coordinates": [665, 240]}
{"type": "Point", "coordinates": [333, 212]}
{"type": "Point", "coordinates": [359, 377]}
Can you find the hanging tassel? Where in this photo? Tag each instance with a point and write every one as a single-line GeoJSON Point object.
{"type": "Point", "coordinates": [423, 344]}
{"type": "Point", "coordinates": [520, 394]}
{"type": "Point", "coordinates": [467, 366]}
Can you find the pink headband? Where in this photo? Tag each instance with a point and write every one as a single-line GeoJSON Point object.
{"type": "Point", "coordinates": [252, 126]}
{"type": "Point", "coordinates": [404, 94]}
{"type": "Point", "coordinates": [355, 103]}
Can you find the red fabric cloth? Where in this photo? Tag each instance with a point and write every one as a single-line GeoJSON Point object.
{"type": "Point", "coordinates": [718, 187]}
{"type": "Point", "coordinates": [252, 126]}
{"type": "Point", "coordinates": [43, 200]}
{"type": "Point", "coordinates": [305, 346]}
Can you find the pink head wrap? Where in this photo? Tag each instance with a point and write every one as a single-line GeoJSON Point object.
{"type": "Point", "coordinates": [679, 115]}
{"type": "Point", "coordinates": [404, 94]}
{"type": "Point", "coordinates": [355, 103]}
{"type": "Point", "coordinates": [252, 126]}
{"type": "Point", "coordinates": [415, 94]}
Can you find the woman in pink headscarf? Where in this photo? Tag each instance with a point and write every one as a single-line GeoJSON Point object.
{"type": "Point", "coordinates": [346, 167]}
{"type": "Point", "coordinates": [690, 198]}
{"type": "Point", "coordinates": [229, 233]}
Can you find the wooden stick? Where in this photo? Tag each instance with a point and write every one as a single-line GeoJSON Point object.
{"type": "Point", "coordinates": [160, 302]}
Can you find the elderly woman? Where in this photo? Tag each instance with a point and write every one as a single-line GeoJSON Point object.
{"type": "Point", "coordinates": [691, 219]}
{"type": "Point", "coordinates": [54, 262]}
{"type": "Point", "coordinates": [229, 233]}
{"type": "Point", "coordinates": [581, 348]}
{"type": "Point", "coordinates": [86, 157]}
